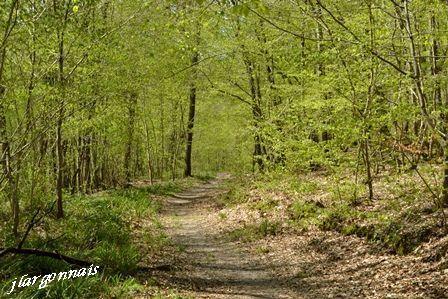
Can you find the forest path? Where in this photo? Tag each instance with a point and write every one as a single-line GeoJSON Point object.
{"type": "Point", "coordinates": [204, 263]}
{"type": "Point", "coordinates": [210, 265]}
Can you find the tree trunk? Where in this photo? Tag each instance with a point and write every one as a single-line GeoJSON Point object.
{"type": "Point", "coordinates": [130, 132]}
{"type": "Point", "coordinates": [445, 177]}
{"type": "Point", "coordinates": [59, 143]}
{"type": "Point", "coordinates": [191, 113]}
{"type": "Point", "coordinates": [257, 158]}
{"type": "Point", "coordinates": [59, 166]}
{"type": "Point", "coordinates": [148, 153]}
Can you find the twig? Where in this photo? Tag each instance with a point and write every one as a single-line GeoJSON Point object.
{"type": "Point", "coordinates": [283, 29]}
{"type": "Point", "coordinates": [374, 52]}
{"type": "Point", "coordinates": [194, 64]}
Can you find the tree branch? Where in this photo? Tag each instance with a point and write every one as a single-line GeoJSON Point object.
{"type": "Point", "coordinates": [372, 51]}
{"type": "Point", "coordinates": [53, 255]}
{"type": "Point", "coordinates": [192, 65]}
{"type": "Point", "coordinates": [226, 92]}
{"type": "Point", "coordinates": [234, 96]}
{"type": "Point", "coordinates": [283, 29]}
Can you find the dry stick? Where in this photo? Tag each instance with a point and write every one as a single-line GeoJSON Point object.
{"type": "Point", "coordinates": [55, 238]}
{"type": "Point", "coordinates": [55, 255]}
{"type": "Point", "coordinates": [240, 88]}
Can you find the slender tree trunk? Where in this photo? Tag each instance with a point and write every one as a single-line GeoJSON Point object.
{"type": "Point", "coordinates": [366, 113]}
{"type": "Point", "coordinates": [130, 132]}
{"type": "Point", "coordinates": [445, 176]}
{"type": "Point", "coordinates": [257, 115]}
{"type": "Point", "coordinates": [191, 112]}
{"type": "Point", "coordinates": [59, 165]}
{"type": "Point", "coordinates": [30, 100]}
{"type": "Point", "coordinates": [148, 153]}
{"type": "Point", "coordinates": [5, 159]}
{"type": "Point", "coordinates": [437, 95]}
{"type": "Point", "coordinates": [87, 162]}
{"type": "Point", "coordinates": [59, 141]}
{"type": "Point", "coordinates": [161, 163]}
{"type": "Point", "coordinates": [416, 67]}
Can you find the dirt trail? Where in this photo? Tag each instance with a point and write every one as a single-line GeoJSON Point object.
{"type": "Point", "coordinates": [308, 265]}
{"type": "Point", "coordinates": [213, 267]}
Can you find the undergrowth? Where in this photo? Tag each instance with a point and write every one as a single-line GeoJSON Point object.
{"type": "Point", "coordinates": [252, 232]}
{"type": "Point", "coordinates": [104, 229]}
{"type": "Point", "coordinates": [399, 219]}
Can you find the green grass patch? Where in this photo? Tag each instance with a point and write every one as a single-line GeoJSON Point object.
{"type": "Point", "coordinates": [99, 228]}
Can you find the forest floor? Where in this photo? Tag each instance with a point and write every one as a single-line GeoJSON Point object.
{"type": "Point", "coordinates": [313, 264]}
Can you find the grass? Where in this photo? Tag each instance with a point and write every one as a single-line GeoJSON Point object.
{"type": "Point", "coordinates": [252, 232]}
{"type": "Point", "coordinates": [109, 229]}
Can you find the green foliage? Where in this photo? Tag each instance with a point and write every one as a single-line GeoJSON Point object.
{"type": "Point", "coordinates": [120, 259]}
{"type": "Point", "coordinates": [348, 191]}
{"type": "Point", "coordinates": [303, 210]}
{"type": "Point", "coordinates": [115, 286]}
{"type": "Point", "coordinates": [95, 95]}
{"type": "Point", "coordinates": [399, 221]}
{"type": "Point", "coordinates": [237, 191]}
{"type": "Point", "coordinates": [97, 229]}
{"type": "Point", "coordinates": [335, 218]}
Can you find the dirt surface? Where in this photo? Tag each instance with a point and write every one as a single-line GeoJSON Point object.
{"type": "Point", "coordinates": [209, 265]}
{"type": "Point", "coordinates": [315, 264]}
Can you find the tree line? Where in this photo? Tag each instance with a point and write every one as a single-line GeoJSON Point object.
{"type": "Point", "coordinates": [97, 93]}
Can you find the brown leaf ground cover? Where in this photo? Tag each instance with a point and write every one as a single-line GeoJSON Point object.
{"type": "Point", "coordinates": [246, 252]}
